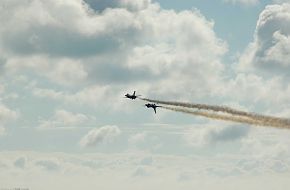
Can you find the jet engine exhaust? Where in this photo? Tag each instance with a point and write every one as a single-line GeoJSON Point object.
{"type": "Point", "coordinates": [225, 113]}
{"type": "Point", "coordinates": [238, 119]}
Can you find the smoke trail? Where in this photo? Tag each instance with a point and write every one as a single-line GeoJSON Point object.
{"type": "Point", "coordinates": [208, 107]}
{"type": "Point", "coordinates": [239, 119]}
{"type": "Point", "coordinates": [215, 116]}
{"type": "Point", "coordinates": [261, 119]}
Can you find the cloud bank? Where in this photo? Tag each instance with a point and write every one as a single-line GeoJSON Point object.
{"type": "Point", "coordinates": [270, 49]}
{"type": "Point", "coordinates": [116, 43]}
{"type": "Point", "coordinates": [100, 135]}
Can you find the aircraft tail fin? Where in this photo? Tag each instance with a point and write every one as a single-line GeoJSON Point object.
{"type": "Point", "coordinates": [154, 110]}
{"type": "Point", "coordinates": [134, 93]}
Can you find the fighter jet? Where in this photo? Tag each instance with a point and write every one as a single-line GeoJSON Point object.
{"type": "Point", "coordinates": [152, 106]}
{"type": "Point", "coordinates": [133, 96]}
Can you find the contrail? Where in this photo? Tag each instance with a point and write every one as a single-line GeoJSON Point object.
{"type": "Point", "coordinates": [247, 116]}
{"type": "Point", "coordinates": [209, 107]}
{"type": "Point", "coordinates": [239, 119]}
{"type": "Point", "coordinates": [216, 116]}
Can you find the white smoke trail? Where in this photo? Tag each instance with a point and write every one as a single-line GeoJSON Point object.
{"type": "Point", "coordinates": [235, 115]}
{"type": "Point", "coordinates": [215, 116]}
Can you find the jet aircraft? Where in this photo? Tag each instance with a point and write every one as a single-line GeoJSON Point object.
{"type": "Point", "coordinates": [152, 106]}
{"type": "Point", "coordinates": [133, 96]}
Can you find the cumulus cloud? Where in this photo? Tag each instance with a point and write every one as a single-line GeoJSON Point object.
{"type": "Point", "coordinates": [103, 134]}
{"type": "Point", "coordinates": [100, 5]}
{"type": "Point", "coordinates": [137, 138]}
{"type": "Point", "coordinates": [140, 172]}
{"type": "Point", "coordinates": [215, 134]}
{"type": "Point", "coordinates": [49, 165]}
{"type": "Point", "coordinates": [6, 114]}
{"type": "Point", "coordinates": [63, 118]}
{"type": "Point", "coordinates": [244, 2]}
{"type": "Point", "coordinates": [2, 88]}
{"type": "Point", "coordinates": [263, 66]}
{"type": "Point", "coordinates": [20, 162]}
{"type": "Point", "coordinates": [281, 1]}
{"type": "Point", "coordinates": [133, 5]}
{"type": "Point", "coordinates": [92, 95]}
{"type": "Point", "coordinates": [62, 71]}
{"type": "Point", "coordinates": [2, 130]}
{"type": "Point", "coordinates": [147, 161]}
{"type": "Point", "coordinates": [230, 133]}
{"type": "Point", "coordinates": [69, 169]}
{"type": "Point", "coordinates": [271, 46]}
{"type": "Point", "coordinates": [79, 32]}
{"type": "Point", "coordinates": [117, 43]}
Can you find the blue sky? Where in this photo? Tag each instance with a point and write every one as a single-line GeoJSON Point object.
{"type": "Point", "coordinates": [65, 66]}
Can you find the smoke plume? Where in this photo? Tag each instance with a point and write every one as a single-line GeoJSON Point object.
{"type": "Point", "coordinates": [225, 113]}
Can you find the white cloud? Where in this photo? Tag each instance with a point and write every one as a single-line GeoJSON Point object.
{"type": "Point", "coordinates": [271, 46]}
{"type": "Point", "coordinates": [136, 5]}
{"type": "Point", "coordinates": [70, 118]}
{"type": "Point", "coordinates": [263, 67]}
{"type": "Point", "coordinates": [92, 95]}
{"type": "Point", "coordinates": [270, 92]}
{"type": "Point", "coordinates": [68, 72]}
{"type": "Point", "coordinates": [49, 93]}
{"type": "Point", "coordinates": [103, 134]}
{"type": "Point", "coordinates": [281, 1]}
{"type": "Point", "coordinates": [132, 42]}
{"type": "Point", "coordinates": [2, 88]}
{"type": "Point", "coordinates": [50, 165]}
{"type": "Point", "coordinates": [244, 2]}
{"type": "Point", "coordinates": [140, 172]}
{"type": "Point", "coordinates": [7, 114]}
{"type": "Point", "coordinates": [137, 138]}
{"type": "Point", "coordinates": [279, 52]}
{"type": "Point", "coordinates": [61, 71]}
{"type": "Point", "coordinates": [147, 161]}
{"type": "Point", "coordinates": [79, 30]}
{"type": "Point", "coordinates": [63, 118]}
{"type": "Point", "coordinates": [212, 135]}
{"type": "Point", "coordinates": [241, 170]}
{"type": "Point", "coordinates": [2, 130]}
{"type": "Point", "coordinates": [20, 162]}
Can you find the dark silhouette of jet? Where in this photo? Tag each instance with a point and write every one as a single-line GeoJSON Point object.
{"type": "Point", "coordinates": [133, 96]}
{"type": "Point", "coordinates": [152, 106]}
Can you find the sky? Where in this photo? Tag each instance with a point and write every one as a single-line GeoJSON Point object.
{"type": "Point", "coordinates": [65, 66]}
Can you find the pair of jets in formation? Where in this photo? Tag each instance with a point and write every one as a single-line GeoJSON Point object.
{"type": "Point", "coordinates": [134, 96]}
